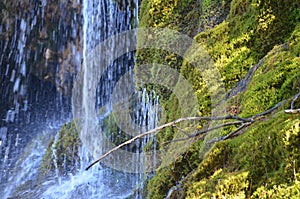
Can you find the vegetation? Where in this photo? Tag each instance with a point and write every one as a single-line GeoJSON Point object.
{"type": "Point", "coordinates": [240, 172]}
{"type": "Point", "coordinates": [62, 153]}
{"type": "Point", "coordinates": [258, 36]}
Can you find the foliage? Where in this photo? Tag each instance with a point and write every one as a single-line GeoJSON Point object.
{"type": "Point", "coordinates": [277, 79]}
{"type": "Point", "coordinates": [167, 176]}
{"type": "Point", "coordinates": [220, 185]}
{"type": "Point", "coordinates": [278, 191]}
{"type": "Point", "coordinates": [65, 150]}
{"type": "Point", "coordinates": [264, 161]}
{"type": "Point", "coordinates": [270, 163]}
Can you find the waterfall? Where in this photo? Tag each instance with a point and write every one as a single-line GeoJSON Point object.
{"type": "Point", "coordinates": [107, 106]}
{"type": "Point", "coordinates": [72, 60]}
{"type": "Point", "coordinates": [105, 99]}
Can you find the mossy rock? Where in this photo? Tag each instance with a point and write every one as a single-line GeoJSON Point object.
{"type": "Point", "coordinates": [62, 156]}
{"type": "Point", "coordinates": [263, 158]}
{"type": "Point", "coordinates": [255, 33]}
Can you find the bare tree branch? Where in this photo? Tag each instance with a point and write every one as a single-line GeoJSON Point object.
{"type": "Point", "coordinates": [232, 134]}
{"type": "Point", "coordinates": [164, 126]}
{"type": "Point", "coordinates": [244, 122]}
{"type": "Point", "coordinates": [205, 131]}
{"type": "Point", "coordinates": [293, 111]}
{"type": "Point", "coordinates": [216, 127]}
{"type": "Point", "coordinates": [268, 111]}
{"type": "Point", "coordinates": [294, 100]}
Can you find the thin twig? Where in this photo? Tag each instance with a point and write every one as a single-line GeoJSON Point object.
{"type": "Point", "coordinates": [162, 127]}
{"type": "Point", "coordinates": [205, 131]}
{"type": "Point", "coordinates": [269, 110]}
{"type": "Point", "coordinates": [216, 127]}
{"type": "Point", "coordinates": [293, 111]}
{"type": "Point", "coordinates": [181, 130]}
{"type": "Point", "coordinates": [232, 134]}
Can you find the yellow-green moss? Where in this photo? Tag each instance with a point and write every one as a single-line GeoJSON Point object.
{"type": "Point", "coordinates": [250, 31]}
{"type": "Point", "coordinates": [278, 191]}
{"type": "Point", "coordinates": [220, 185]}
{"type": "Point", "coordinates": [277, 79]}
{"type": "Point", "coordinates": [260, 160]}
{"type": "Point", "coordinates": [167, 176]}
{"type": "Point", "coordinates": [267, 155]}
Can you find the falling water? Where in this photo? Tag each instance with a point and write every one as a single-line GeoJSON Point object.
{"type": "Point", "coordinates": [32, 103]}
{"type": "Point", "coordinates": [105, 82]}
{"type": "Point", "coordinates": [63, 55]}
{"type": "Point", "coordinates": [104, 85]}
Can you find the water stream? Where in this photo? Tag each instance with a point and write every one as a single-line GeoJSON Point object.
{"type": "Point", "coordinates": [68, 60]}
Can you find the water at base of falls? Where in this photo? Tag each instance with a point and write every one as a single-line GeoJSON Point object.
{"type": "Point", "coordinates": [99, 182]}
{"type": "Point", "coordinates": [91, 185]}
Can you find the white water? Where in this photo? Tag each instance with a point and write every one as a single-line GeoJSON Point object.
{"type": "Point", "coordinates": [98, 87]}
{"type": "Point", "coordinates": [104, 82]}
{"type": "Point", "coordinates": [28, 164]}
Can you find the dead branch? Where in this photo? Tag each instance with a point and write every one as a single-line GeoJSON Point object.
{"type": "Point", "coordinates": [294, 100]}
{"type": "Point", "coordinates": [293, 111]}
{"type": "Point", "coordinates": [205, 131]}
{"type": "Point", "coordinates": [183, 131]}
{"type": "Point", "coordinates": [216, 127]}
{"type": "Point", "coordinates": [233, 134]}
{"type": "Point", "coordinates": [268, 111]}
{"type": "Point", "coordinates": [244, 122]}
{"type": "Point", "coordinates": [153, 131]}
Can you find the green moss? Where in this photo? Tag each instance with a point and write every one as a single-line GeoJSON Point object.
{"type": "Point", "coordinates": [277, 79]}
{"type": "Point", "coordinates": [179, 16]}
{"type": "Point", "coordinates": [285, 191]}
{"type": "Point", "coordinates": [66, 150]}
{"type": "Point", "coordinates": [168, 175]}
{"type": "Point", "coordinates": [220, 185]}
{"type": "Point", "coordinates": [113, 131]}
{"type": "Point", "coordinates": [214, 160]}
{"type": "Point", "coordinates": [264, 34]}
{"type": "Point", "coordinates": [250, 31]}
{"type": "Point", "coordinates": [160, 184]}
{"type": "Point", "coordinates": [47, 165]}
{"type": "Point", "coordinates": [266, 155]}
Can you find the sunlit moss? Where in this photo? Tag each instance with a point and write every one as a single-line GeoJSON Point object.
{"type": "Point", "coordinates": [260, 157]}
{"type": "Point", "coordinates": [264, 159]}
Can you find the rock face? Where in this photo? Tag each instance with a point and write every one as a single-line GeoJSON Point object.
{"type": "Point", "coordinates": [40, 52]}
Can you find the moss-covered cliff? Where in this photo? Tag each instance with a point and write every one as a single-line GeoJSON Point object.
{"type": "Point", "coordinates": [255, 46]}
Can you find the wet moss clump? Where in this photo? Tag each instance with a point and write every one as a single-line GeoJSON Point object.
{"type": "Point", "coordinates": [62, 156]}
{"type": "Point", "coordinates": [114, 133]}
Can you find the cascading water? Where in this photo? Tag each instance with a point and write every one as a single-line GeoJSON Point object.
{"type": "Point", "coordinates": [105, 81]}
{"type": "Point", "coordinates": [41, 52]}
